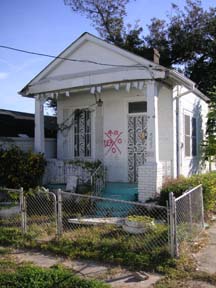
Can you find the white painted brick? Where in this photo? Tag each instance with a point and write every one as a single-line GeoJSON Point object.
{"type": "Point", "coordinates": [149, 180]}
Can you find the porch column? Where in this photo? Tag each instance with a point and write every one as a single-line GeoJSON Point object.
{"type": "Point", "coordinates": [39, 142]}
{"type": "Point", "coordinates": [99, 137]}
{"type": "Point", "coordinates": [150, 174]}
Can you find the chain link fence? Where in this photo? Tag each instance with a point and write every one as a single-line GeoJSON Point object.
{"type": "Point", "coordinates": [11, 204]}
{"type": "Point", "coordinates": [41, 215]}
{"type": "Point", "coordinates": [103, 222]}
{"type": "Point", "coordinates": [136, 225]}
{"type": "Point", "coordinates": [187, 217]}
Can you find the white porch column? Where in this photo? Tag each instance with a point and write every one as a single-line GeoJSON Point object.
{"type": "Point", "coordinates": [99, 137]}
{"type": "Point", "coordinates": [150, 174]}
{"type": "Point", "coordinates": [39, 141]}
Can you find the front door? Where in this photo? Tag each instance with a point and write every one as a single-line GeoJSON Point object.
{"type": "Point", "coordinates": [137, 135]}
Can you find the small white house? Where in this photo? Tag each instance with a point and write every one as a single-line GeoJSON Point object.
{"type": "Point", "coordinates": [143, 121]}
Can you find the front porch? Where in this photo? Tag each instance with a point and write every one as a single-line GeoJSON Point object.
{"type": "Point", "coordinates": [130, 153]}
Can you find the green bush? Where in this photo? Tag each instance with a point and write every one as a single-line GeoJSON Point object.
{"type": "Point", "coordinates": [26, 275]}
{"type": "Point", "coordinates": [20, 169]}
{"type": "Point", "coordinates": [180, 185]}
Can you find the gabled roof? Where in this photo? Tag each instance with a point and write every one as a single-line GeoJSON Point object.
{"type": "Point", "coordinates": [126, 60]}
{"type": "Point", "coordinates": [90, 61]}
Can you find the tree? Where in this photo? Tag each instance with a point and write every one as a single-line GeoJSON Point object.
{"type": "Point", "coordinates": [209, 145]}
{"type": "Point", "coordinates": [186, 40]}
{"type": "Point", "coordinates": [107, 16]}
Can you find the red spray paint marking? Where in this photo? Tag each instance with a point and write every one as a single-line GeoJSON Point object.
{"type": "Point", "coordinates": [113, 141]}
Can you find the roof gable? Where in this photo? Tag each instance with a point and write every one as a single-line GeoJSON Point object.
{"type": "Point", "coordinates": [90, 61]}
{"type": "Point", "coordinates": [89, 54]}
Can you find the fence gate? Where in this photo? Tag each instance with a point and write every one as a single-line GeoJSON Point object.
{"type": "Point", "coordinates": [11, 208]}
{"type": "Point", "coordinates": [41, 215]}
{"type": "Point", "coordinates": [186, 217]}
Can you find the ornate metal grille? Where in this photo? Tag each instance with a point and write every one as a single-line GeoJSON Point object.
{"type": "Point", "coordinates": [82, 134]}
{"type": "Point", "coordinates": [137, 135]}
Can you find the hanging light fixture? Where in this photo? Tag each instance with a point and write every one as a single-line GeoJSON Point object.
{"type": "Point", "coordinates": [99, 102]}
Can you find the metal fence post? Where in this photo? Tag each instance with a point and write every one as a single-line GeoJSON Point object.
{"type": "Point", "coordinates": [190, 213]}
{"type": "Point", "coordinates": [59, 213]}
{"type": "Point", "coordinates": [173, 229]}
{"type": "Point", "coordinates": [23, 211]}
{"type": "Point", "coordinates": [202, 207]}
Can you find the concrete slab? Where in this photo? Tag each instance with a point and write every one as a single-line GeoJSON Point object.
{"type": "Point", "coordinates": [206, 257]}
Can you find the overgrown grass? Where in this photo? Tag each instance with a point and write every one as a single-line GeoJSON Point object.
{"type": "Point", "coordinates": [102, 244]}
{"type": "Point", "coordinates": [180, 279]}
{"type": "Point", "coordinates": [26, 275]}
{"type": "Point", "coordinates": [183, 271]}
{"type": "Point", "coordinates": [88, 245]}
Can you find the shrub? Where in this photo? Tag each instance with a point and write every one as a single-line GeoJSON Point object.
{"type": "Point", "coordinates": [27, 275]}
{"type": "Point", "coordinates": [180, 185]}
{"type": "Point", "coordinates": [209, 189]}
{"type": "Point", "coordinates": [20, 169]}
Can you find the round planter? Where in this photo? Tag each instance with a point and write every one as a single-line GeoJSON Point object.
{"type": "Point", "coordinates": [137, 227]}
{"type": "Point", "coordinates": [133, 230]}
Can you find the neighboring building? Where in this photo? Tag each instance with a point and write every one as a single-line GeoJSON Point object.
{"type": "Point", "coordinates": [17, 128]}
{"type": "Point", "coordinates": [143, 121]}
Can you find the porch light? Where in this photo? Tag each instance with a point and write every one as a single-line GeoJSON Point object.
{"type": "Point", "coordinates": [99, 102]}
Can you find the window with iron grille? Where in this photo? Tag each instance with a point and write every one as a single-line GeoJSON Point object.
{"type": "Point", "coordinates": [190, 137]}
{"type": "Point", "coordinates": [82, 133]}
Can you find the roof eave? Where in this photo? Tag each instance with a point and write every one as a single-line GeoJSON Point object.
{"type": "Point", "coordinates": [182, 80]}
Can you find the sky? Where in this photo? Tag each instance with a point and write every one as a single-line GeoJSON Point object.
{"type": "Point", "coordinates": [48, 26]}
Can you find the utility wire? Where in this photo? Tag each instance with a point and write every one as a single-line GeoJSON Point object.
{"type": "Point", "coordinates": [72, 60]}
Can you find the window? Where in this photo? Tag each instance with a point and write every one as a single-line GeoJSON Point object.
{"type": "Point", "coordinates": [137, 107]}
{"type": "Point", "coordinates": [194, 137]}
{"type": "Point", "coordinates": [187, 135]}
{"type": "Point", "coordinates": [190, 136]}
{"type": "Point", "coordinates": [82, 133]}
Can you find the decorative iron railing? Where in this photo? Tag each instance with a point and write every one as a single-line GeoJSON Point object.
{"type": "Point", "coordinates": [98, 180]}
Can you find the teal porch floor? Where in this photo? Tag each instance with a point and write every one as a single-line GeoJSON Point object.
{"type": "Point", "coordinates": [113, 190]}
{"type": "Point", "coordinates": [117, 191]}
{"type": "Point", "coordinates": [120, 191]}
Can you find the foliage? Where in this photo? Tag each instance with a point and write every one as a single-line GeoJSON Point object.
{"type": "Point", "coordinates": [209, 145]}
{"type": "Point", "coordinates": [105, 244]}
{"type": "Point", "coordinates": [52, 104]}
{"type": "Point", "coordinates": [88, 165]}
{"type": "Point", "coordinates": [185, 41]}
{"type": "Point", "coordinates": [142, 219]}
{"type": "Point", "coordinates": [20, 169]}
{"type": "Point", "coordinates": [106, 16]}
{"type": "Point", "coordinates": [180, 185]}
{"type": "Point", "coordinates": [27, 275]}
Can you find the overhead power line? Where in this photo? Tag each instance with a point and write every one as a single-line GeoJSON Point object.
{"type": "Point", "coordinates": [71, 59]}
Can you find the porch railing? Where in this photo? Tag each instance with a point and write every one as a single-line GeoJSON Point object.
{"type": "Point", "coordinates": [98, 179]}
{"type": "Point", "coordinates": [58, 171]}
